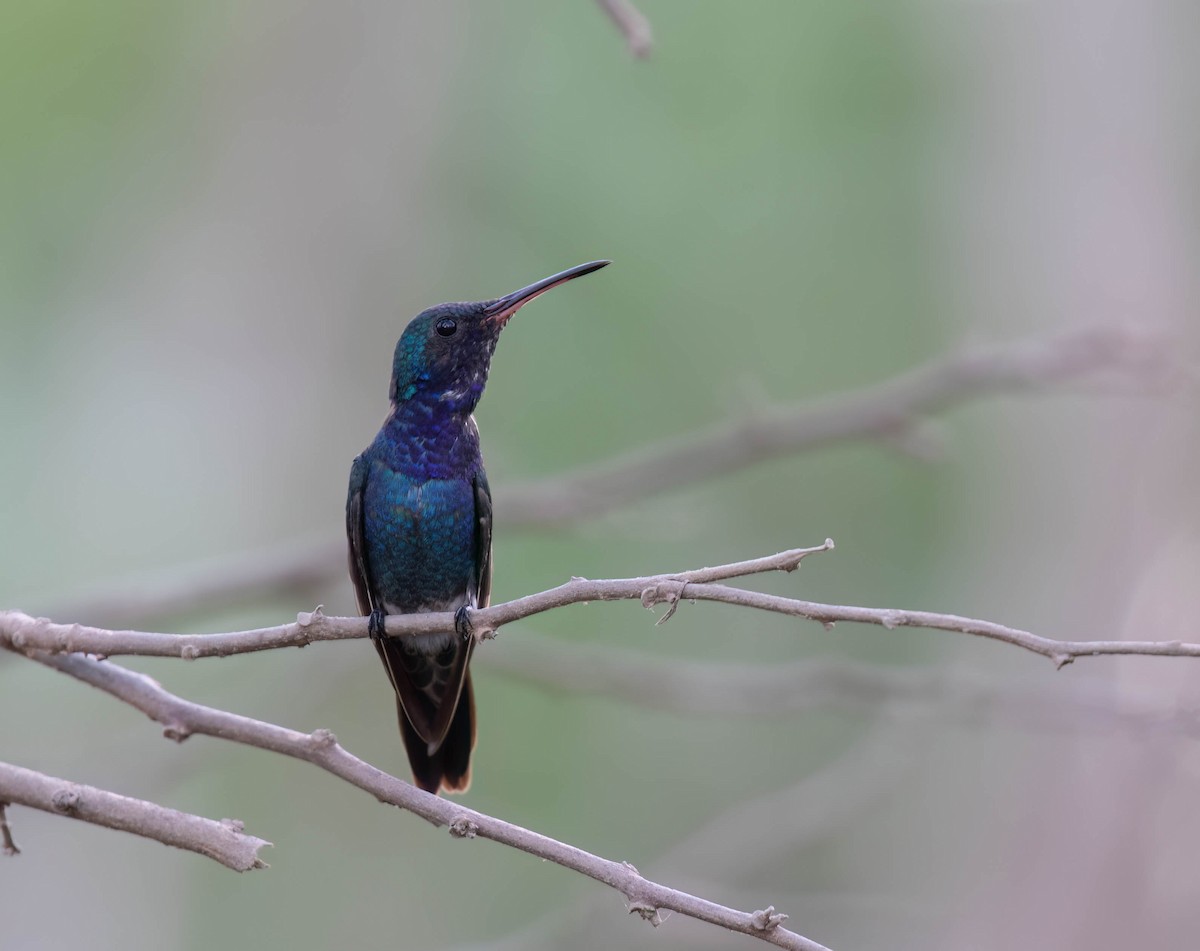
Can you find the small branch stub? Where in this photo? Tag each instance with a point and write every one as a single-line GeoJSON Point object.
{"type": "Point", "coordinates": [767, 919]}
{"type": "Point", "coordinates": [7, 845]}
{"type": "Point", "coordinates": [66, 801]}
{"type": "Point", "coordinates": [669, 592]}
{"type": "Point", "coordinates": [647, 911]}
{"type": "Point", "coordinates": [463, 827]}
{"type": "Point", "coordinates": [308, 618]}
{"type": "Point", "coordinates": [177, 732]}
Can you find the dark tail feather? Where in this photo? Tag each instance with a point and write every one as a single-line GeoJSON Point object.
{"type": "Point", "coordinates": [449, 767]}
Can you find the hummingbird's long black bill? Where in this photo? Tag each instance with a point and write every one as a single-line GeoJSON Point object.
{"type": "Point", "coordinates": [503, 308]}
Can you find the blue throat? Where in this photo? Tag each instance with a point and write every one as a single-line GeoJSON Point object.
{"type": "Point", "coordinates": [429, 439]}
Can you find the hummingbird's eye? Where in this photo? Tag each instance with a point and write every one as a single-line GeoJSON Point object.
{"type": "Point", "coordinates": [446, 326]}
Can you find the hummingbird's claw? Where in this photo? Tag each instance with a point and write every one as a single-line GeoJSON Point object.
{"type": "Point", "coordinates": [462, 623]}
{"type": "Point", "coordinates": [375, 625]}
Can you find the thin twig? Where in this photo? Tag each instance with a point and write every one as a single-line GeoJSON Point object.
{"type": "Point", "coordinates": [182, 718]}
{"type": "Point", "coordinates": [223, 841]}
{"type": "Point", "coordinates": [883, 411]}
{"type": "Point", "coordinates": [632, 24]}
{"type": "Point", "coordinates": [22, 633]}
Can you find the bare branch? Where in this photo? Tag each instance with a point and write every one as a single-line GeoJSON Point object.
{"type": "Point", "coordinates": [886, 410]}
{"type": "Point", "coordinates": [22, 633]}
{"type": "Point", "coordinates": [632, 24]}
{"type": "Point", "coordinates": [182, 718]}
{"type": "Point", "coordinates": [890, 411]}
{"type": "Point", "coordinates": [288, 571]}
{"type": "Point", "coordinates": [223, 841]}
{"type": "Point", "coordinates": [681, 686]}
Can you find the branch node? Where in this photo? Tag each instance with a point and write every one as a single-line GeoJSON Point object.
{"type": "Point", "coordinates": [189, 652]}
{"type": "Point", "coordinates": [767, 919]}
{"type": "Point", "coordinates": [66, 801]}
{"type": "Point", "coordinates": [67, 636]}
{"type": "Point", "coordinates": [463, 827]}
{"type": "Point", "coordinates": [176, 730]}
{"type": "Point", "coordinates": [668, 591]}
{"type": "Point", "coordinates": [829, 625]}
{"type": "Point", "coordinates": [306, 618]}
{"type": "Point", "coordinates": [1061, 660]}
{"type": "Point", "coordinates": [632, 868]}
{"type": "Point", "coordinates": [322, 739]}
{"type": "Point", "coordinates": [891, 619]}
{"type": "Point", "coordinates": [648, 912]}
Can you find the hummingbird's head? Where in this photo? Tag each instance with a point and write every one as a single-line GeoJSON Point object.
{"type": "Point", "coordinates": [444, 354]}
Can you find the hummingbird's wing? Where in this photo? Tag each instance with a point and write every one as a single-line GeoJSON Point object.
{"type": "Point", "coordinates": [483, 541]}
{"type": "Point", "coordinates": [354, 535]}
{"type": "Point", "coordinates": [411, 675]}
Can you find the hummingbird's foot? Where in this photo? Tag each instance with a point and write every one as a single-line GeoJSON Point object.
{"type": "Point", "coordinates": [462, 623]}
{"type": "Point", "coordinates": [375, 625]}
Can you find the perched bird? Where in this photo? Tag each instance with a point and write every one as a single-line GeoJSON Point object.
{"type": "Point", "coordinates": [419, 523]}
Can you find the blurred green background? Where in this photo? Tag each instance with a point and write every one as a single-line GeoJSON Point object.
{"type": "Point", "coordinates": [217, 219]}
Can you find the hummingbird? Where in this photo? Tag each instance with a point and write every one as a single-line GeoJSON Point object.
{"type": "Point", "coordinates": [419, 523]}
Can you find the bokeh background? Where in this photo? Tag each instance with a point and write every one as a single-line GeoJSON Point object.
{"type": "Point", "coordinates": [218, 217]}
